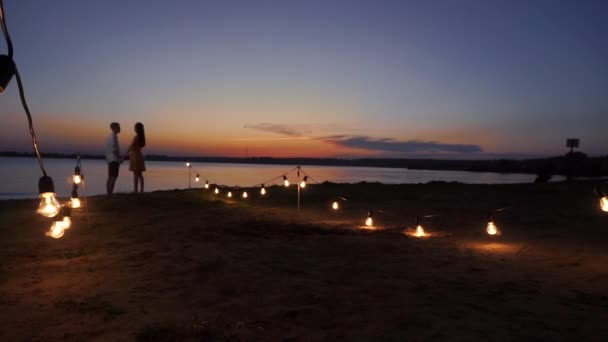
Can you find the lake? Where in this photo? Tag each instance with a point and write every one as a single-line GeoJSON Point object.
{"type": "Point", "coordinates": [20, 176]}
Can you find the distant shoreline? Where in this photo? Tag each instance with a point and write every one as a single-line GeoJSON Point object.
{"type": "Point", "coordinates": [584, 166]}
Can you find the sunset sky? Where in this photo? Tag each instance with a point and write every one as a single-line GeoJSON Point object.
{"type": "Point", "coordinates": [443, 79]}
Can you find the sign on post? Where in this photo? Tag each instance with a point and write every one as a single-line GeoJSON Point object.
{"type": "Point", "coordinates": [572, 143]}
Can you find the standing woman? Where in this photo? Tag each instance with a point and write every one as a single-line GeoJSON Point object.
{"type": "Point", "coordinates": [136, 159]}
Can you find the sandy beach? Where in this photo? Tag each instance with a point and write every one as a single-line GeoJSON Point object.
{"type": "Point", "coordinates": [189, 265]}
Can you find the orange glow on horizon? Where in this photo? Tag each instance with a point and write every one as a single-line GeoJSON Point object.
{"type": "Point", "coordinates": [228, 138]}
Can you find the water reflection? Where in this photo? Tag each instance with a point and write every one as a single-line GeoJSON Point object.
{"type": "Point", "coordinates": [20, 176]}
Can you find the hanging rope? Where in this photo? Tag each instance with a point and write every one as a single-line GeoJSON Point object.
{"type": "Point", "coordinates": [21, 90]}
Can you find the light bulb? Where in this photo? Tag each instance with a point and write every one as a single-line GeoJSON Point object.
{"type": "Point", "coordinates": [604, 203]}
{"type": "Point", "coordinates": [244, 194]}
{"type": "Point", "coordinates": [285, 181]}
{"type": "Point", "coordinates": [419, 231]}
{"type": "Point", "coordinates": [56, 230]}
{"type": "Point", "coordinates": [229, 194]}
{"type": "Point", "coordinates": [188, 164]}
{"type": "Point", "coordinates": [206, 184]}
{"type": "Point", "coordinates": [67, 222]}
{"type": "Point", "coordinates": [492, 229]}
{"type": "Point", "coordinates": [49, 206]}
{"type": "Point", "coordinates": [217, 191]}
{"type": "Point", "coordinates": [335, 206]}
{"type": "Point", "coordinates": [197, 179]}
{"type": "Point", "coordinates": [66, 213]}
{"type": "Point", "coordinates": [369, 222]}
{"type": "Point", "coordinates": [263, 191]}
{"type": "Point", "coordinates": [75, 202]}
{"type": "Point", "coordinates": [77, 178]}
{"type": "Point", "coordinates": [303, 183]}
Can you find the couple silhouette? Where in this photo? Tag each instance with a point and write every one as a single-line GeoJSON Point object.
{"type": "Point", "coordinates": [134, 155]}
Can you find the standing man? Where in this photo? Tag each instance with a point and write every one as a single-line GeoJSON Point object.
{"type": "Point", "coordinates": [112, 157]}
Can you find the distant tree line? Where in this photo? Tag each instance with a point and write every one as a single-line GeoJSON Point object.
{"type": "Point", "coordinates": [575, 164]}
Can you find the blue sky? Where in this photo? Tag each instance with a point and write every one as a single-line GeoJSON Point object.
{"type": "Point", "coordinates": [445, 79]}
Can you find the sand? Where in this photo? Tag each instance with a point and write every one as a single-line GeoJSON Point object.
{"type": "Point", "coordinates": [186, 265]}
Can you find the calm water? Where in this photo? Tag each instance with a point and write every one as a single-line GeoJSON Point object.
{"type": "Point", "coordinates": [20, 175]}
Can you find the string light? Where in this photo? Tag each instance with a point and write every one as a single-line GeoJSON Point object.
{"type": "Point", "coordinates": [244, 194]}
{"type": "Point", "coordinates": [491, 229]}
{"type": "Point", "coordinates": [187, 164]}
{"type": "Point", "coordinates": [206, 184]}
{"type": "Point", "coordinates": [604, 203]}
{"type": "Point", "coordinates": [285, 181]}
{"type": "Point", "coordinates": [77, 177]}
{"type": "Point", "coordinates": [229, 194]}
{"type": "Point", "coordinates": [75, 201]}
{"type": "Point", "coordinates": [66, 213]}
{"type": "Point", "coordinates": [603, 199]}
{"type": "Point", "coordinates": [263, 190]}
{"type": "Point", "coordinates": [197, 179]}
{"type": "Point", "coordinates": [369, 222]}
{"type": "Point", "coordinates": [335, 205]}
{"type": "Point", "coordinates": [49, 206]}
{"type": "Point", "coordinates": [217, 191]}
{"type": "Point", "coordinates": [57, 228]}
{"type": "Point", "coordinates": [303, 183]}
{"type": "Point", "coordinates": [419, 229]}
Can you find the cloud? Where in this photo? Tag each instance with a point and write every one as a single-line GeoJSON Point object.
{"type": "Point", "coordinates": [288, 130]}
{"type": "Point", "coordinates": [386, 145]}
{"type": "Point", "coordinates": [391, 145]}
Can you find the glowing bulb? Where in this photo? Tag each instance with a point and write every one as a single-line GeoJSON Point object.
{"type": "Point", "coordinates": [335, 206]}
{"type": "Point", "coordinates": [286, 183]}
{"type": "Point", "coordinates": [229, 194]}
{"type": "Point", "coordinates": [492, 229]}
{"type": "Point", "coordinates": [56, 230]}
{"type": "Point", "coordinates": [65, 214]}
{"type": "Point", "coordinates": [263, 191]}
{"type": "Point", "coordinates": [67, 222]}
{"type": "Point", "coordinates": [188, 164]}
{"type": "Point", "coordinates": [217, 191]}
{"type": "Point", "coordinates": [77, 179]}
{"type": "Point", "coordinates": [75, 202]}
{"type": "Point", "coordinates": [206, 184]}
{"type": "Point", "coordinates": [303, 183]}
{"type": "Point", "coordinates": [244, 194]}
{"type": "Point", "coordinates": [369, 222]}
{"type": "Point", "coordinates": [419, 231]}
{"type": "Point", "coordinates": [604, 203]}
{"type": "Point", "coordinates": [197, 179]}
{"type": "Point", "coordinates": [49, 206]}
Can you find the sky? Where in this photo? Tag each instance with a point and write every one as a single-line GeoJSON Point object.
{"type": "Point", "coordinates": [349, 79]}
